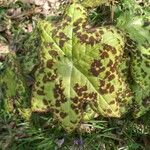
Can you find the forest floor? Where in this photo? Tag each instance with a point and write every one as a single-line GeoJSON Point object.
{"type": "Point", "coordinates": [17, 19]}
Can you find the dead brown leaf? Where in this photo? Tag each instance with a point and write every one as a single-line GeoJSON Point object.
{"type": "Point", "coordinates": [35, 2]}
{"type": "Point", "coordinates": [4, 48]}
{"type": "Point", "coordinates": [13, 13]}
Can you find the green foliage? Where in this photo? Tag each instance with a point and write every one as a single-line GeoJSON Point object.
{"type": "Point", "coordinates": [133, 21]}
{"type": "Point", "coordinates": [90, 4]}
{"type": "Point", "coordinates": [68, 81]}
{"type": "Point", "coordinates": [12, 83]}
{"type": "Point", "coordinates": [109, 134]}
{"type": "Point", "coordinates": [80, 71]}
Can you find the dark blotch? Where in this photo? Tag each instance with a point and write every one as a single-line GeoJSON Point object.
{"type": "Point", "coordinates": [50, 63]}
{"type": "Point", "coordinates": [96, 68]}
{"type": "Point", "coordinates": [39, 92]}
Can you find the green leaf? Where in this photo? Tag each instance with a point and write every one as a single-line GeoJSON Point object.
{"type": "Point", "coordinates": [132, 20]}
{"type": "Point", "coordinates": [140, 71]}
{"type": "Point", "coordinates": [15, 93]}
{"type": "Point", "coordinates": [79, 65]}
{"type": "Point", "coordinates": [134, 26]}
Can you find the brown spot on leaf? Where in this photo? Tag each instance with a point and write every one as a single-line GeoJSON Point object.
{"type": "Point", "coordinates": [97, 34]}
{"type": "Point", "coordinates": [65, 24]}
{"type": "Point", "coordinates": [41, 70]}
{"type": "Point", "coordinates": [112, 102]}
{"type": "Point", "coordinates": [113, 50]}
{"type": "Point", "coordinates": [73, 106]}
{"type": "Point", "coordinates": [84, 37]}
{"type": "Point", "coordinates": [146, 102]}
{"type": "Point", "coordinates": [108, 85]}
{"type": "Point", "coordinates": [42, 87]}
{"type": "Point", "coordinates": [37, 83]}
{"type": "Point", "coordinates": [56, 111]}
{"type": "Point", "coordinates": [76, 23]}
{"type": "Point", "coordinates": [62, 35]}
{"type": "Point", "coordinates": [76, 29]}
{"type": "Point", "coordinates": [51, 76]}
{"type": "Point", "coordinates": [84, 24]}
{"type": "Point", "coordinates": [68, 18]}
{"type": "Point", "coordinates": [54, 32]}
{"type": "Point", "coordinates": [57, 103]}
{"type": "Point", "coordinates": [59, 93]}
{"type": "Point", "coordinates": [116, 109]}
{"type": "Point", "coordinates": [45, 79]}
{"type": "Point", "coordinates": [112, 88]}
{"type": "Point", "coordinates": [77, 110]}
{"type": "Point", "coordinates": [110, 63]}
{"type": "Point", "coordinates": [112, 69]}
{"type": "Point", "coordinates": [75, 100]}
{"type": "Point", "coordinates": [53, 53]}
{"type": "Point", "coordinates": [107, 74]}
{"type": "Point", "coordinates": [109, 111]}
{"type": "Point", "coordinates": [92, 96]}
{"type": "Point", "coordinates": [102, 82]}
{"type": "Point", "coordinates": [49, 63]}
{"type": "Point", "coordinates": [73, 121]}
{"type": "Point", "coordinates": [96, 67]}
{"type": "Point", "coordinates": [90, 30]}
{"type": "Point", "coordinates": [63, 114]}
{"type": "Point", "coordinates": [45, 102]}
{"type": "Point", "coordinates": [80, 89]}
{"type": "Point", "coordinates": [91, 40]}
{"type": "Point", "coordinates": [111, 77]}
{"type": "Point", "coordinates": [61, 43]}
{"type": "Point", "coordinates": [109, 48]}
{"type": "Point", "coordinates": [103, 90]}
{"type": "Point", "coordinates": [101, 32]}
{"type": "Point", "coordinates": [39, 92]}
{"type": "Point", "coordinates": [104, 55]}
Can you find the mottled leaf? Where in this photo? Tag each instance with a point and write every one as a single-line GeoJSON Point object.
{"type": "Point", "coordinates": [12, 84]}
{"type": "Point", "coordinates": [79, 66]}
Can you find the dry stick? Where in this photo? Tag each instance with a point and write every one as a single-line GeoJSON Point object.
{"type": "Point", "coordinates": [37, 10]}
